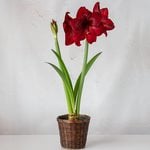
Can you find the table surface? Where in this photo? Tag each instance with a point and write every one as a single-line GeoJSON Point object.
{"type": "Point", "coordinates": [94, 142]}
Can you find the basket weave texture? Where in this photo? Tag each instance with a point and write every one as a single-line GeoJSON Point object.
{"type": "Point", "coordinates": [73, 133]}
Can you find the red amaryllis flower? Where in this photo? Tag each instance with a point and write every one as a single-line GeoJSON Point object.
{"type": "Point", "coordinates": [87, 25]}
{"type": "Point", "coordinates": [105, 22]}
{"type": "Point", "coordinates": [68, 30]}
{"type": "Point", "coordinates": [71, 35]}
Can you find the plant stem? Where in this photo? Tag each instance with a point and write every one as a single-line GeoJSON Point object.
{"type": "Point", "coordinates": [82, 78]}
{"type": "Point", "coordinates": [57, 46]}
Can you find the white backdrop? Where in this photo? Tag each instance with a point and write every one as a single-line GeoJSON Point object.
{"type": "Point", "coordinates": [117, 89]}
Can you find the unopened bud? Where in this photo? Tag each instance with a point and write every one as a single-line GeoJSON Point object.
{"type": "Point", "coordinates": [54, 28]}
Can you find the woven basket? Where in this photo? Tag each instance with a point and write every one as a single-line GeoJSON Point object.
{"type": "Point", "coordinates": [73, 133]}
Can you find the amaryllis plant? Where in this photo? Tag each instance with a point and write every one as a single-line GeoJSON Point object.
{"type": "Point", "coordinates": [87, 26]}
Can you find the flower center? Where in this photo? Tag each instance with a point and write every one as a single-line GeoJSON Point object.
{"type": "Point", "coordinates": [85, 23]}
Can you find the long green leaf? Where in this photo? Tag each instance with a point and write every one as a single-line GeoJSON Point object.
{"type": "Point", "coordinates": [91, 61]}
{"type": "Point", "coordinates": [67, 76]}
{"type": "Point", "coordinates": [76, 86]}
{"type": "Point", "coordinates": [60, 73]}
{"type": "Point", "coordinates": [88, 66]}
{"type": "Point", "coordinates": [64, 68]}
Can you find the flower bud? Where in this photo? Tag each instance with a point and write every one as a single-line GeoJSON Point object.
{"type": "Point", "coordinates": [54, 28]}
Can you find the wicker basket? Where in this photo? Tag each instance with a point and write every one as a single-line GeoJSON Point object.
{"type": "Point", "coordinates": [73, 133]}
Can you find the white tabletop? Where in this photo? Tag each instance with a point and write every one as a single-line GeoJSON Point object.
{"type": "Point", "coordinates": [94, 142]}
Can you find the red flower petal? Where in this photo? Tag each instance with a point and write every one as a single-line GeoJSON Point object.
{"type": "Point", "coordinates": [105, 33]}
{"type": "Point", "coordinates": [83, 12]}
{"type": "Point", "coordinates": [95, 19]}
{"type": "Point", "coordinates": [76, 25]}
{"type": "Point", "coordinates": [98, 30]}
{"type": "Point", "coordinates": [78, 43]}
{"type": "Point", "coordinates": [66, 22]}
{"type": "Point", "coordinates": [68, 30]}
{"type": "Point", "coordinates": [68, 39]}
{"type": "Point", "coordinates": [91, 37]}
{"type": "Point", "coordinates": [96, 8]}
{"type": "Point", "coordinates": [104, 12]}
{"type": "Point", "coordinates": [108, 24]}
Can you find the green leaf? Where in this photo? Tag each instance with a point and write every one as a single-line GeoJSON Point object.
{"type": "Point", "coordinates": [63, 68]}
{"type": "Point", "coordinates": [60, 73]}
{"type": "Point", "coordinates": [67, 76]}
{"type": "Point", "coordinates": [69, 93]}
{"type": "Point", "coordinates": [88, 66]}
{"type": "Point", "coordinates": [77, 86]}
{"type": "Point", "coordinates": [91, 61]}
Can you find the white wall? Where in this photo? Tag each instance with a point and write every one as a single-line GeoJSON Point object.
{"type": "Point", "coordinates": [116, 93]}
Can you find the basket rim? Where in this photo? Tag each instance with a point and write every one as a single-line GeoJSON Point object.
{"type": "Point", "coordinates": [83, 118]}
